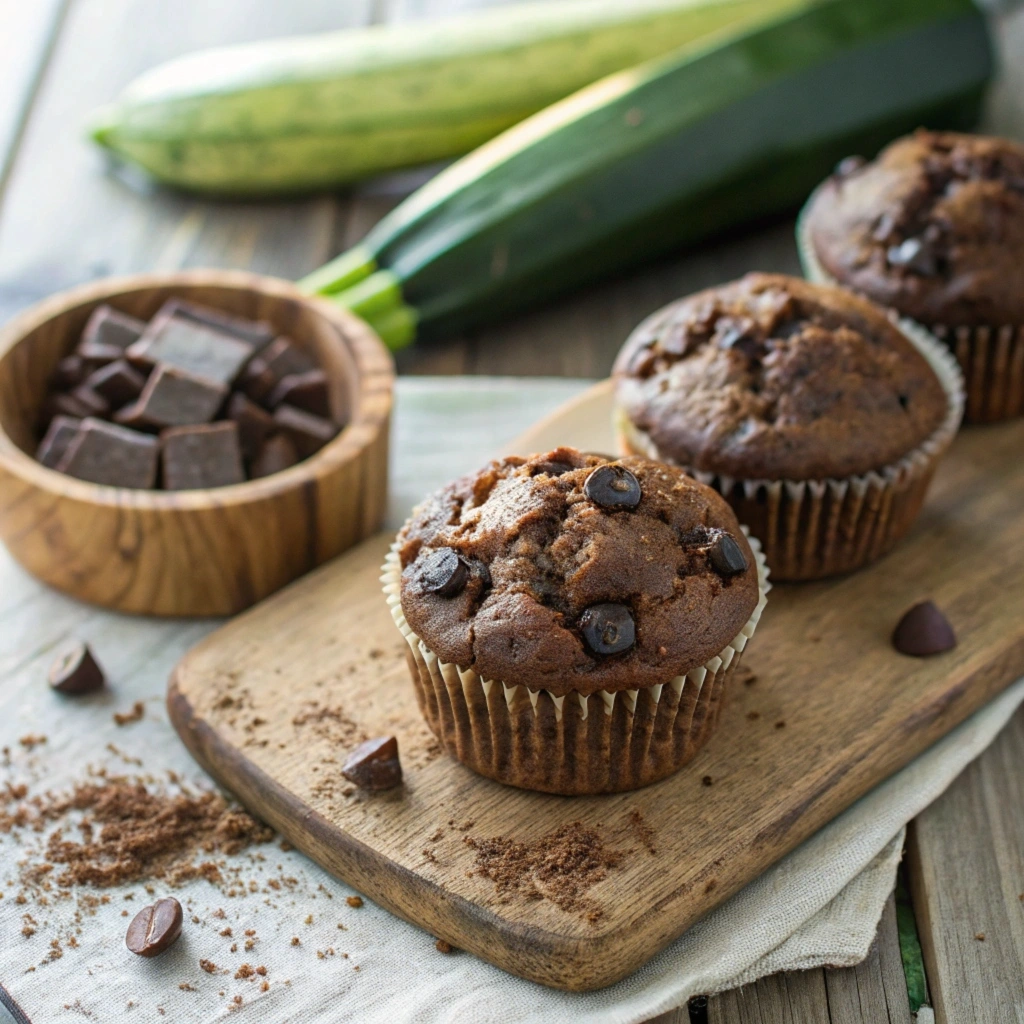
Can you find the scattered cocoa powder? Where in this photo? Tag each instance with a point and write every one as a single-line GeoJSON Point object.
{"type": "Point", "coordinates": [560, 866]}
{"type": "Point", "coordinates": [31, 740]}
{"type": "Point", "coordinates": [643, 832]}
{"type": "Point", "coordinates": [354, 901]}
{"type": "Point", "coordinates": [209, 966]}
{"type": "Point", "coordinates": [129, 832]}
{"type": "Point", "coordinates": [127, 717]}
{"type": "Point", "coordinates": [245, 971]}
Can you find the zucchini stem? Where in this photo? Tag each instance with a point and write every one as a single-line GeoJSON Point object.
{"type": "Point", "coordinates": [379, 301]}
{"type": "Point", "coordinates": [341, 273]}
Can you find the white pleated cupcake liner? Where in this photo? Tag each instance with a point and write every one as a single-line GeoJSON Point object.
{"type": "Point", "coordinates": [816, 528]}
{"type": "Point", "coordinates": [608, 741]}
{"type": "Point", "coordinates": [991, 358]}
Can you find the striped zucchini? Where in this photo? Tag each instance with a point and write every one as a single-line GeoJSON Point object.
{"type": "Point", "coordinates": [662, 156]}
{"type": "Point", "coordinates": [318, 111]}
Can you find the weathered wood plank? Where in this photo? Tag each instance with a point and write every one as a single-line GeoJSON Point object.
{"type": "Point", "coordinates": [26, 33]}
{"type": "Point", "coordinates": [795, 997]}
{"type": "Point", "coordinates": [875, 989]}
{"type": "Point", "coordinates": [967, 876]}
{"type": "Point", "coordinates": [64, 221]}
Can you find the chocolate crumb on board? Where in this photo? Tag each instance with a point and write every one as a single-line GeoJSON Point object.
{"type": "Point", "coordinates": [559, 867]}
{"type": "Point", "coordinates": [127, 717]}
{"type": "Point", "coordinates": [780, 725]}
{"type": "Point", "coordinates": [707, 780]}
{"type": "Point", "coordinates": [643, 832]}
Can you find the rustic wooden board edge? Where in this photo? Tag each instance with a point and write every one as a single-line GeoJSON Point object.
{"type": "Point", "coordinates": [529, 952]}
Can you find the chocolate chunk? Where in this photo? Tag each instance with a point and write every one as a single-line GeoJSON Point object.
{"type": "Point", "coordinates": [374, 764]}
{"type": "Point", "coordinates": [199, 350]}
{"type": "Point", "coordinates": [108, 334]}
{"type": "Point", "coordinates": [77, 671]}
{"type": "Point", "coordinates": [726, 556]}
{"type": "Point", "coordinates": [608, 628]}
{"type": "Point", "coordinates": [103, 453]}
{"type": "Point", "coordinates": [309, 433]}
{"type": "Point", "coordinates": [307, 391]}
{"type": "Point", "coordinates": [202, 456]}
{"type": "Point", "coordinates": [155, 928]}
{"type": "Point", "coordinates": [70, 372]}
{"type": "Point", "coordinates": [737, 340]}
{"type": "Point", "coordinates": [174, 398]}
{"type": "Point", "coordinates": [280, 359]}
{"type": "Point", "coordinates": [256, 333]}
{"type": "Point", "coordinates": [915, 254]}
{"type": "Point", "coordinates": [848, 165]}
{"type": "Point", "coordinates": [278, 454]}
{"type": "Point", "coordinates": [58, 436]}
{"type": "Point", "coordinates": [552, 468]}
{"type": "Point", "coordinates": [613, 487]}
{"type": "Point", "coordinates": [117, 383]}
{"type": "Point", "coordinates": [444, 572]}
{"type": "Point", "coordinates": [255, 424]}
{"type": "Point", "coordinates": [75, 406]}
{"type": "Point", "coordinates": [923, 631]}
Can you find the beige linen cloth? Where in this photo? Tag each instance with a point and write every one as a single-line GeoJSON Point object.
{"type": "Point", "coordinates": [820, 905]}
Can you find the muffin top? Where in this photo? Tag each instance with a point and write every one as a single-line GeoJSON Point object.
{"type": "Point", "coordinates": [771, 377]}
{"type": "Point", "coordinates": [933, 228]}
{"type": "Point", "coordinates": [567, 572]}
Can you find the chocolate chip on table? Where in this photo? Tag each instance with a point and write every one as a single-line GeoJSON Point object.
{"type": "Point", "coordinates": [923, 631]}
{"type": "Point", "coordinates": [374, 765]}
{"type": "Point", "coordinates": [613, 487]}
{"type": "Point", "coordinates": [155, 928]}
{"type": "Point", "coordinates": [277, 454]}
{"type": "Point", "coordinates": [306, 391]}
{"type": "Point", "coordinates": [174, 398]}
{"type": "Point", "coordinates": [608, 628]}
{"type": "Point", "coordinates": [444, 572]}
{"type": "Point", "coordinates": [117, 382]}
{"type": "Point", "coordinates": [255, 424]}
{"type": "Point", "coordinates": [76, 671]}
{"type": "Point", "coordinates": [108, 334]}
{"type": "Point", "coordinates": [308, 433]}
{"type": "Point", "coordinates": [726, 556]}
{"type": "Point", "coordinates": [915, 254]}
{"type": "Point", "coordinates": [56, 440]}
{"type": "Point", "coordinates": [193, 347]}
{"type": "Point", "coordinates": [104, 453]}
{"type": "Point", "coordinates": [201, 456]}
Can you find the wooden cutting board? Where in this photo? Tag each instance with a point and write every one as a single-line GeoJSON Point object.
{"type": "Point", "coordinates": [270, 704]}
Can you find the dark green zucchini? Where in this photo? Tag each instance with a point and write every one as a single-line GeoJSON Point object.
{"type": "Point", "coordinates": [660, 157]}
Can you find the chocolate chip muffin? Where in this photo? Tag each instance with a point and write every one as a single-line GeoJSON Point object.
{"type": "Point", "coordinates": [934, 229]}
{"type": "Point", "coordinates": [804, 405]}
{"type": "Point", "coordinates": [572, 622]}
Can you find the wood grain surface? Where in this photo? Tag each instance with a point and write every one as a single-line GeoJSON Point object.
{"type": "Point", "coordinates": [200, 552]}
{"type": "Point", "coordinates": [833, 711]}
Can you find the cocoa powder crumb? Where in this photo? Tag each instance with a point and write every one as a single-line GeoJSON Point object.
{"type": "Point", "coordinates": [644, 833]}
{"type": "Point", "coordinates": [296, 941]}
{"type": "Point", "coordinates": [980, 936]}
{"type": "Point", "coordinates": [186, 987]}
{"type": "Point", "coordinates": [265, 986]}
{"type": "Point", "coordinates": [127, 717]}
{"type": "Point", "coordinates": [31, 740]}
{"type": "Point", "coordinates": [261, 971]}
{"type": "Point", "coordinates": [753, 715]}
{"type": "Point", "coordinates": [245, 971]}
{"type": "Point", "coordinates": [209, 966]}
{"type": "Point", "coordinates": [444, 947]}
{"type": "Point", "coordinates": [354, 901]}
{"type": "Point", "coordinates": [226, 933]}
{"type": "Point", "coordinates": [707, 780]}
{"type": "Point", "coordinates": [560, 866]}
{"type": "Point", "coordinates": [780, 725]}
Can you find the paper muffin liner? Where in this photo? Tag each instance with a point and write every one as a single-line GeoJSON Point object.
{"type": "Point", "coordinates": [811, 529]}
{"type": "Point", "coordinates": [574, 744]}
{"type": "Point", "coordinates": [991, 358]}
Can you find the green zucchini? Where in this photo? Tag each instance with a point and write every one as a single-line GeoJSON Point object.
{"type": "Point", "coordinates": [662, 156]}
{"type": "Point", "coordinates": [319, 111]}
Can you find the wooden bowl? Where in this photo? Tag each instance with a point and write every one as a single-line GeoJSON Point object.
{"type": "Point", "coordinates": [211, 552]}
